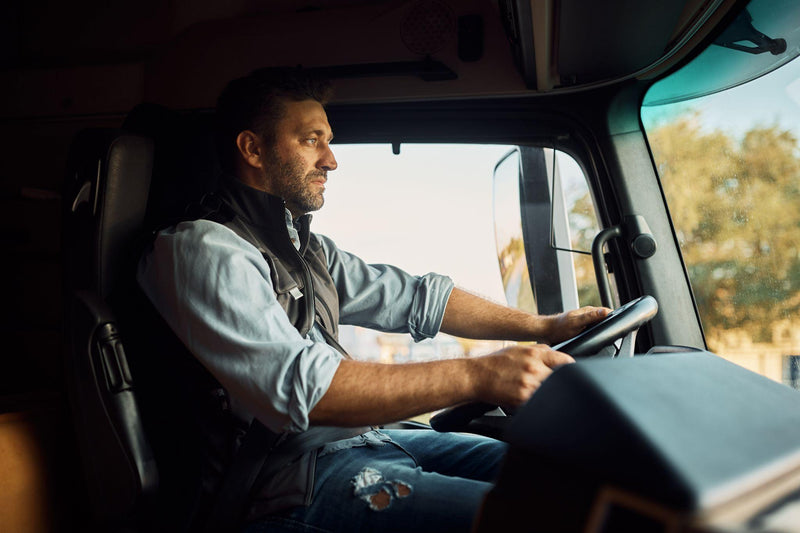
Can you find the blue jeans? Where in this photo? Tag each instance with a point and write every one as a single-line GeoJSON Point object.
{"type": "Point", "coordinates": [421, 481]}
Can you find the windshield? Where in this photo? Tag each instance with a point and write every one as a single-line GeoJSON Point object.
{"type": "Point", "coordinates": [729, 165]}
{"type": "Point", "coordinates": [763, 37]}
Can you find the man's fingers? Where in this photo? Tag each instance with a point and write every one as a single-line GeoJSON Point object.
{"type": "Point", "coordinates": [579, 319]}
{"type": "Point", "coordinates": [591, 315]}
{"type": "Point", "coordinates": [552, 358]}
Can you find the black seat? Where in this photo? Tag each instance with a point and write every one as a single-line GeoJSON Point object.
{"type": "Point", "coordinates": [105, 196]}
{"type": "Point", "coordinates": [185, 164]}
{"type": "Point", "coordinates": [121, 186]}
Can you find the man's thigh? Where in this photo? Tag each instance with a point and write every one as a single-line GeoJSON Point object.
{"type": "Point", "coordinates": [383, 488]}
{"type": "Point", "coordinates": [452, 454]}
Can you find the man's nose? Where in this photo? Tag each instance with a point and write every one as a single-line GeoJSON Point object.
{"type": "Point", "coordinates": [328, 161]}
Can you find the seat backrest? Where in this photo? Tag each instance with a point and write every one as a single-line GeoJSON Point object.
{"type": "Point", "coordinates": [185, 165]}
{"type": "Point", "coordinates": [105, 198]}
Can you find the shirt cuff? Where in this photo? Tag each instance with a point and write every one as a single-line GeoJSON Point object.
{"type": "Point", "coordinates": [427, 309]}
{"type": "Point", "coordinates": [318, 360]}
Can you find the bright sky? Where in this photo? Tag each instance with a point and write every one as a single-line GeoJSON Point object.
{"type": "Point", "coordinates": [773, 99]}
{"type": "Point", "coordinates": [427, 210]}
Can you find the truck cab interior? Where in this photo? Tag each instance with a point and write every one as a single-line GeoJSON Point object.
{"type": "Point", "coordinates": [611, 158]}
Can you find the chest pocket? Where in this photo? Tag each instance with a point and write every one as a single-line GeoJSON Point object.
{"type": "Point", "coordinates": [289, 288]}
{"type": "Point", "coordinates": [289, 284]}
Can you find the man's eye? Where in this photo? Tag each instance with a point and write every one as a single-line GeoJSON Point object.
{"type": "Point", "coordinates": [311, 141]}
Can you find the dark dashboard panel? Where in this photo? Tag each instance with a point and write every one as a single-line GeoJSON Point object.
{"type": "Point", "coordinates": [689, 437]}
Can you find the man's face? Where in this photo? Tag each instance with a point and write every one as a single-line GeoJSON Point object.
{"type": "Point", "coordinates": [296, 167]}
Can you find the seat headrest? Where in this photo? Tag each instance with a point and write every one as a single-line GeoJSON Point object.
{"type": "Point", "coordinates": [106, 196]}
{"type": "Point", "coordinates": [186, 165]}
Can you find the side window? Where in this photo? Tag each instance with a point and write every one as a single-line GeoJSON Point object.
{"type": "Point", "coordinates": [572, 194]}
{"type": "Point", "coordinates": [436, 208]}
{"type": "Point", "coordinates": [729, 164]}
{"type": "Point", "coordinates": [509, 239]}
{"type": "Point", "coordinates": [545, 221]}
{"type": "Point", "coordinates": [425, 209]}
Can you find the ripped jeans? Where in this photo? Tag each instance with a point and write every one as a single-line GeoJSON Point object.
{"type": "Point", "coordinates": [420, 481]}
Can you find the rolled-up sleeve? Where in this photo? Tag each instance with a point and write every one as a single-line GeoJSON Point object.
{"type": "Point", "coordinates": [386, 298]}
{"type": "Point", "coordinates": [214, 290]}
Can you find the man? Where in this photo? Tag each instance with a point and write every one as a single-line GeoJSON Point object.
{"type": "Point", "coordinates": [257, 299]}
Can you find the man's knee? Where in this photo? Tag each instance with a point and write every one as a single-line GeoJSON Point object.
{"type": "Point", "coordinates": [378, 492]}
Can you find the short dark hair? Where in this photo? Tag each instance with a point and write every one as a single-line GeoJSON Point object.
{"type": "Point", "coordinates": [256, 103]}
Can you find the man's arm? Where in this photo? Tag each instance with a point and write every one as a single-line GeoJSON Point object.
{"type": "Point", "coordinates": [370, 393]}
{"type": "Point", "coordinates": [470, 316]}
{"type": "Point", "coordinates": [363, 393]}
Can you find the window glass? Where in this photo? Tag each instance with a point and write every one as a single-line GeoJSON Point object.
{"type": "Point", "coordinates": [582, 222]}
{"type": "Point", "coordinates": [729, 165]}
{"type": "Point", "coordinates": [509, 239]}
{"type": "Point", "coordinates": [427, 209]}
{"type": "Point", "coordinates": [543, 245]}
{"type": "Point", "coordinates": [433, 208]}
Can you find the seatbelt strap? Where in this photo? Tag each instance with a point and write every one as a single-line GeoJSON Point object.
{"type": "Point", "coordinates": [302, 443]}
{"type": "Point", "coordinates": [331, 340]}
{"type": "Point", "coordinates": [233, 494]}
{"type": "Point", "coordinates": [251, 469]}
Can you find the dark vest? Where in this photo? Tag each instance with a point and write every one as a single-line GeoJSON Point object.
{"type": "Point", "coordinates": [260, 219]}
{"type": "Point", "coordinates": [199, 428]}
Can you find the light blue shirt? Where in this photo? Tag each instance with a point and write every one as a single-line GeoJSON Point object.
{"type": "Point", "coordinates": [214, 290]}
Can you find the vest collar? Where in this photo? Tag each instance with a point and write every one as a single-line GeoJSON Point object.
{"type": "Point", "coordinates": [264, 213]}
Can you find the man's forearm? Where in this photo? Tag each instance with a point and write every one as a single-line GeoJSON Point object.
{"type": "Point", "coordinates": [473, 317]}
{"type": "Point", "coordinates": [364, 393]}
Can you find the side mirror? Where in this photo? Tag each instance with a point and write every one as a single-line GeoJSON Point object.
{"type": "Point", "coordinates": [545, 222]}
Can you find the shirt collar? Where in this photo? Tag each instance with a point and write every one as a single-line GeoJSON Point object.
{"type": "Point", "coordinates": [294, 235]}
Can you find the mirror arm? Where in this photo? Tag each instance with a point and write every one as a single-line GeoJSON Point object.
{"type": "Point", "coordinates": [638, 236]}
{"type": "Point", "coordinates": [600, 269]}
{"type": "Point", "coordinates": [742, 30]}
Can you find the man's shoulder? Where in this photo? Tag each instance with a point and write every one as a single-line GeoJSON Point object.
{"type": "Point", "coordinates": [322, 245]}
{"type": "Point", "coordinates": [316, 240]}
{"type": "Point", "coordinates": [196, 227]}
{"type": "Point", "coordinates": [200, 232]}
{"type": "Point", "coordinates": [322, 241]}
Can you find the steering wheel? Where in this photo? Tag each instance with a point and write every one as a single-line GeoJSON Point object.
{"type": "Point", "coordinates": [621, 323]}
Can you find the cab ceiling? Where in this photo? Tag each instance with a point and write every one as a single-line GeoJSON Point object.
{"type": "Point", "coordinates": [187, 49]}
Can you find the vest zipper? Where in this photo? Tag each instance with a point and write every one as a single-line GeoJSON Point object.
{"type": "Point", "coordinates": [328, 310]}
{"type": "Point", "coordinates": [311, 312]}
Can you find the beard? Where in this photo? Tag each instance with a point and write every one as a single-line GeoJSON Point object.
{"type": "Point", "coordinates": [287, 179]}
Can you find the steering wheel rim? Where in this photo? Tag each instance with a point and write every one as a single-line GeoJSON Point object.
{"type": "Point", "coordinates": [619, 322]}
{"type": "Point", "coordinates": [622, 321]}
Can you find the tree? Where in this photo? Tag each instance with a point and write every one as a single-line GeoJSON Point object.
{"type": "Point", "coordinates": [735, 210]}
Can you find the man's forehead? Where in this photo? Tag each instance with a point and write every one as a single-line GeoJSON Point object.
{"type": "Point", "coordinates": [306, 115]}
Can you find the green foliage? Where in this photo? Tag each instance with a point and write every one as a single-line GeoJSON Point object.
{"type": "Point", "coordinates": [735, 210]}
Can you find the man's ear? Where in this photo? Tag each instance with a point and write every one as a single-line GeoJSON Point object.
{"type": "Point", "coordinates": [250, 148]}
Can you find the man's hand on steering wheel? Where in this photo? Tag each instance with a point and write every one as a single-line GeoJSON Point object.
{"type": "Point", "coordinates": [566, 325]}
{"type": "Point", "coordinates": [512, 374]}
{"type": "Point", "coordinates": [509, 376]}
{"type": "Point", "coordinates": [596, 329]}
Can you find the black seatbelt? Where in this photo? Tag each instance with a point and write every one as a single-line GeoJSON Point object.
{"type": "Point", "coordinates": [250, 468]}
{"type": "Point", "coordinates": [234, 491]}
{"type": "Point", "coordinates": [331, 340]}
{"type": "Point", "coordinates": [262, 454]}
